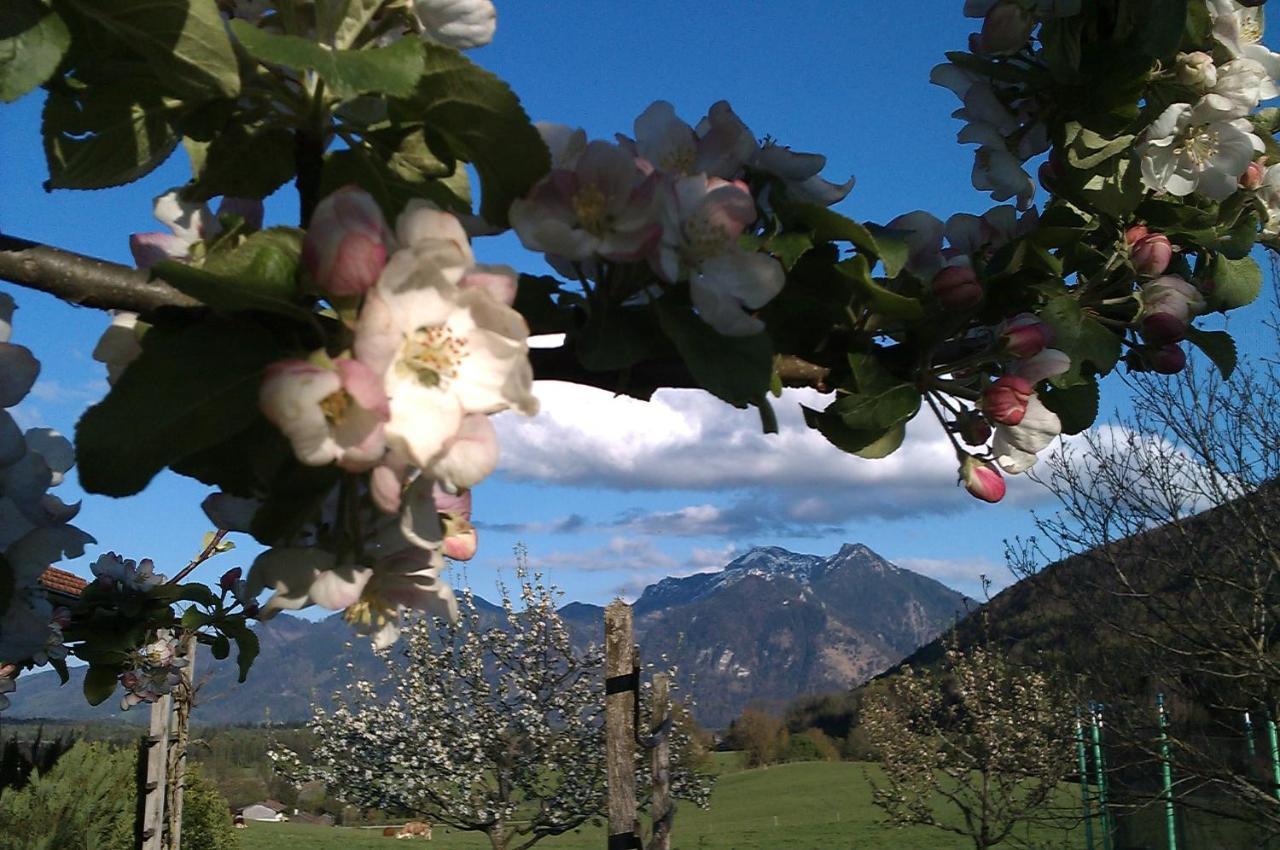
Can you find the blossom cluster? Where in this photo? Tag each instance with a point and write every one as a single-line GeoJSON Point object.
{"type": "Point", "coordinates": [35, 525]}
{"type": "Point", "coordinates": [674, 200]}
{"type": "Point", "coordinates": [463, 24]}
{"type": "Point", "coordinates": [154, 670]}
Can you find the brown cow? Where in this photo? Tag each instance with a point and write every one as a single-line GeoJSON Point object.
{"type": "Point", "coordinates": [391, 832]}
{"type": "Point", "coordinates": [414, 828]}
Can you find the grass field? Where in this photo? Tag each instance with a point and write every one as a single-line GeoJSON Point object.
{"type": "Point", "coordinates": [804, 806]}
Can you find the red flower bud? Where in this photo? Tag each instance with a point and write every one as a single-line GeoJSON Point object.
{"type": "Point", "coordinates": [1167, 359]}
{"type": "Point", "coordinates": [1026, 336]}
{"type": "Point", "coordinates": [1149, 252]}
{"type": "Point", "coordinates": [981, 479]}
{"type": "Point", "coordinates": [973, 428]}
{"type": "Point", "coordinates": [1005, 401]}
{"type": "Point", "coordinates": [1163, 328]}
{"type": "Point", "coordinates": [957, 288]}
{"type": "Point", "coordinates": [346, 245]}
{"type": "Point", "coordinates": [229, 579]}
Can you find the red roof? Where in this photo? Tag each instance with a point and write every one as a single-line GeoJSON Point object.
{"type": "Point", "coordinates": [61, 581]}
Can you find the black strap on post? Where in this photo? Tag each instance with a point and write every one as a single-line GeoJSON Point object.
{"type": "Point", "coordinates": [623, 683]}
{"type": "Point", "coordinates": [625, 841]}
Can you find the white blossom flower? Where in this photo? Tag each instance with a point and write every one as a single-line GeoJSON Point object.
{"type": "Point", "coordinates": [331, 414]}
{"type": "Point", "coordinates": [1269, 194]}
{"type": "Point", "coordinates": [702, 218]}
{"type": "Point", "coordinates": [119, 344]}
{"type": "Point", "coordinates": [444, 350]}
{"type": "Point", "coordinates": [1239, 29]}
{"type": "Point", "coordinates": [404, 580]}
{"type": "Point", "coordinates": [189, 222]}
{"type": "Point", "coordinates": [457, 23]}
{"type": "Point", "coordinates": [114, 570]}
{"type": "Point", "coordinates": [564, 143]}
{"type": "Point", "coordinates": [1236, 91]}
{"type": "Point", "coordinates": [1015, 446]}
{"type": "Point", "coordinates": [800, 174]}
{"type": "Point", "coordinates": [302, 577]}
{"type": "Point", "coordinates": [1189, 149]}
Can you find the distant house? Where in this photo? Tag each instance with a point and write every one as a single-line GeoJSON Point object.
{"type": "Point", "coordinates": [324, 819]}
{"type": "Point", "coordinates": [60, 586]}
{"type": "Point", "coordinates": [262, 812]}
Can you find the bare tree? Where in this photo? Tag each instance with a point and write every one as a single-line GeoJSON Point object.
{"type": "Point", "coordinates": [978, 747]}
{"type": "Point", "coordinates": [1170, 526]}
{"type": "Point", "coordinates": [491, 729]}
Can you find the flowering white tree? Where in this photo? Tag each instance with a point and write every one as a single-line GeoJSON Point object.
{"type": "Point", "coordinates": [981, 739]}
{"type": "Point", "coordinates": [492, 728]}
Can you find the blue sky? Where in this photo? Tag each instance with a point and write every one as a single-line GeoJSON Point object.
{"type": "Point", "coordinates": [611, 495]}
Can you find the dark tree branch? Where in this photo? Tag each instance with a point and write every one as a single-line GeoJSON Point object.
{"type": "Point", "coordinates": [85, 281]}
{"type": "Point", "coordinates": [90, 282]}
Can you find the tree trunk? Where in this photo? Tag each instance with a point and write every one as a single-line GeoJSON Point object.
{"type": "Point", "coordinates": [497, 836]}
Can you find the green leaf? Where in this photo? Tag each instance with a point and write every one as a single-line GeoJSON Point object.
{"type": "Point", "coordinates": [221, 647]}
{"type": "Point", "coordinates": [617, 338]}
{"type": "Point", "coordinates": [883, 244]}
{"type": "Point", "coordinates": [184, 41]}
{"type": "Point", "coordinates": [340, 22]}
{"type": "Point", "coordinates": [1086, 149]}
{"type": "Point", "coordinates": [1076, 406]}
{"type": "Point", "coordinates": [880, 299]}
{"type": "Point", "coordinates": [295, 496]}
{"type": "Point", "coordinates": [100, 682]}
{"type": "Point", "coordinates": [33, 39]}
{"type": "Point", "coordinates": [243, 162]}
{"type": "Point", "coordinates": [392, 70]}
{"type": "Point", "coordinates": [1236, 240]}
{"type": "Point", "coordinates": [191, 387]}
{"type": "Point", "coordinates": [875, 443]}
{"type": "Point", "coordinates": [101, 136]}
{"type": "Point", "coordinates": [192, 618]}
{"type": "Point", "coordinates": [247, 645]}
{"type": "Point", "coordinates": [875, 412]}
{"type": "Point", "coordinates": [536, 301]}
{"type": "Point", "coordinates": [1114, 188]}
{"type": "Point", "coordinates": [885, 445]}
{"type": "Point", "coordinates": [736, 369]}
{"type": "Point", "coordinates": [1161, 26]}
{"type": "Point", "coordinates": [471, 115]}
{"type": "Point", "coordinates": [1235, 283]}
{"type": "Point", "coordinates": [788, 247]}
{"type": "Point", "coordinates": [1218, 346]}
{"type": "Point", "coordinates": [258, 274]}
{"type": "Point", "coordinates": [390, 189]}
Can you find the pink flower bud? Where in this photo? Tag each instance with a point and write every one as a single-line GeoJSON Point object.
{"type": "Point", "coordinates": [1006, 28]}
{"type": "Point", "coordinates": [346, 244]}
{"type": "Point", "coordinates": [1026, 336]}
{"type": "Point", "coordinates": [1168, 303]}
{"type": "Point", "coordinates": [957, 288]}
{"type": "Point", "coordinates": [1149, 252]}
{"type": "Point", "coordinates": [8, 671]}
{"type": "Point", "coordinates": [1253, 174]}
{"type": "Point", "coordinates": [229, 579]}
{"type": "Point", "coordinates": [251, 609]}
{"type": "Point", "coordinates": [1167, 359]}
{"type": "Point", "coordinates": [981, 479]}
{"type": "Point", "coordinates": [1005, 401]}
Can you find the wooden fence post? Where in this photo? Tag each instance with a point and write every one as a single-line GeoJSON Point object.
{"type": "Point", "coordinates": [620, 688]}
{"type": "Point", "coordinates": [153, 789]}
{"type": "Point", "coordinates": [660, 808]}
{"type": "Point", "coordinates": [177, 779]}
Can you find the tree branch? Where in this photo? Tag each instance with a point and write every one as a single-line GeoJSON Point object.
{"type": "Point", "coordinates": [91, 282]}
{"type": "Point", "coordinates": [85, 281]}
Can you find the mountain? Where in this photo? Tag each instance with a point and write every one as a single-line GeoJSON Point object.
{"type": "Point", "coordinates": [771, 625]}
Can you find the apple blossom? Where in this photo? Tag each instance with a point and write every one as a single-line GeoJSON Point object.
{"type": "Point", "coordinates": [973, 428]}
{"type": "Point", "coordinates": [603, 206]}
{"type": "Point", "coordinates": [189, 222]}
{"type": "Point", "coordinates": [1046, 364]}
{"type": "Point", "coordinates": [1015, 446]}
{"type": "Point", "coordinates": [1237, 89]}
{"type": "Point", "coordinates": [469, 456]}
{"type": "Point", "coordinates": [114, 571]}
{"type": "Point", "coordinates": [1025, 336]}
{"type": "Point", "coordinates": [301, 577]}
{"type": "Point", "coordinates": [725, 144]}
{"type": "Point", "coordinates": [119, 344]}
{"type": "Point", "coordinates": [460, 537]}
{"type": "Point", "coordinates": [1189, 149]}
{"type": "Point", "coordinates": [228, 579]}
{"type": "Point", "coordinates": [1252, 177]}
{"type": "Point", "coordinates": [1006, 28]}
{"type": "Point", "coordinates": [1197, 71]}
{"type": "Point", "coordinates": [443, 351]}
{"type": "Point", "coordinates": [1005, 400]}
{"type": "Point", "coordinates": [564, 143]}
{"type": "Point", "coordinates": [7, 306]}
{"type": "Point", "coordinates": [18, 371]}
{"type": "Point", "coordinates": [404, 580]}
{"type": "Point", "coordinates": [800, 174]}
{"type": "Point", "coordinates": [702, 218]}
{"type": "Point", "coordinates": [923, 234]}
{"type": "Point", "coordinates": [330, 413]}
{"type": "Point", "coordinates": [457, 23]}
{"type": "Point", "coordinates": [347, 242]}
{"type": "Point", "coordinates": [981, 479]}
{"type": "Point", "coordinates": [720, 146]}
{"type": "Point", "coordinates": [1240, 30]}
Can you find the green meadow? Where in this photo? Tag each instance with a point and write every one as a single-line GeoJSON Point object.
{"type": "Point", "coordinates": [800, 806]}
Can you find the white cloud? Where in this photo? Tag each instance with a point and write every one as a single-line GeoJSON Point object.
{"type": "Point", "coordinates": [689, 440]}
{"type": "Point", "coordinates": [966, 573]}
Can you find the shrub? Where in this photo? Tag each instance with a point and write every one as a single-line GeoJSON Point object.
{"type": "Point", "coordinates": [206, 816]}
{"type": "Point", "coordinates": [85, 802]}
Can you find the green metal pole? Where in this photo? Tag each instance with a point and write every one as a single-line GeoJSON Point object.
{"type": "Point", "coordinates": [1248, 738]}
{"type": "Point", "coordinates": [1166, 774]}
{"type": "Point", "coordinates": [1100, 772]}
{"type": "Point", "coordinates": [1275, 753]}
{"type": "Point", "coordinates": [1084, 783]}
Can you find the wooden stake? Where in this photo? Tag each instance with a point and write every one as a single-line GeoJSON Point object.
{"type": "Point", "coordinates": [178, 745]}
{"type": "Point", "coordinates": [660, 761]}
{"type": "Point", "coordinates": [153, 789]}
{"type": "Point", "coordinates": [619, 723]}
